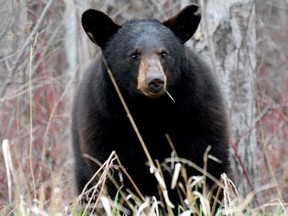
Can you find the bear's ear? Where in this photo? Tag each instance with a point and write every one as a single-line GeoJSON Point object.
{"type": "Point", "coordinates": [185, 23]}
{"type": "Point", "coordinates": [98, 26]}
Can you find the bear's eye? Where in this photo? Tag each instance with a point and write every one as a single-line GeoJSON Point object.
{"type": "Point", "coordinates": [163, 54]}
{"type": "Point", "coordinates": [134, 55]}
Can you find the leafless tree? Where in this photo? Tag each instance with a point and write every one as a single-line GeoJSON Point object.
{"type": "Point", "coordinates": [228, 40]}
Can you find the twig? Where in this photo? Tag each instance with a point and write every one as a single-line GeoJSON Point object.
{"type": "Point", "coordinates": [33, 32]}
{"type": "Point", "coordinates": [31, 113]}
{"type": "Point", "coordinates": [150, 161]}
{"type": "Point", "coordinates": [54, 109]}
{"type": "Point", "coordinates": [265, 150]}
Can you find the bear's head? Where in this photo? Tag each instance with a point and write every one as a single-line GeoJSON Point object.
{"type": "Point", "coordinates": [144, 55]}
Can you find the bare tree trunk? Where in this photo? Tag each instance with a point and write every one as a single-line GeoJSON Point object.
{"type": "Point", "coordinates": [70, 42]}
{"type": "Point", "coordinates": [228, 39]}
{"type": "Point", "coordinates": [75, 43]}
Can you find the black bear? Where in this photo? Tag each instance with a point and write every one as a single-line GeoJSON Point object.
{"type": "Point", "coordinates": [168, 89]}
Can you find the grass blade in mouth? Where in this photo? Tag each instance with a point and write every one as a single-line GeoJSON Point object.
{"type": "Point", "coordinates": [170, 96]}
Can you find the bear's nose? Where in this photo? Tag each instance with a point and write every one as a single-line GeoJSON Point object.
{"type": "Point", "coordinates": [155, 83]}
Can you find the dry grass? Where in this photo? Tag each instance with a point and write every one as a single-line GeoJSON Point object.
{"type": "Point", "coordinates": [195, 203]}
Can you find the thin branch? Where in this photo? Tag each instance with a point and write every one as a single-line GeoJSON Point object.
{"type": "Point", "coordinates": [32, 34]}
{"type": "Point", "coordinates": [151, 163]}
{"type": "Point", "coordinates": [31, 113]}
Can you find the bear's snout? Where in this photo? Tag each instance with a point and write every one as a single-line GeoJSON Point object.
{"type": "Point", "coordinates": [151, 79]}
{"type": "Point", "coordinates": [155, 83]}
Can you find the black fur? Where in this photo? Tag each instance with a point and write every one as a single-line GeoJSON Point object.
{"type": "Point", "coordinates": [196, 120]}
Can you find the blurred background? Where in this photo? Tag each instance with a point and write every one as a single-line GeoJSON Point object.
{"type": "Point", "coordinates": [44, 52]}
